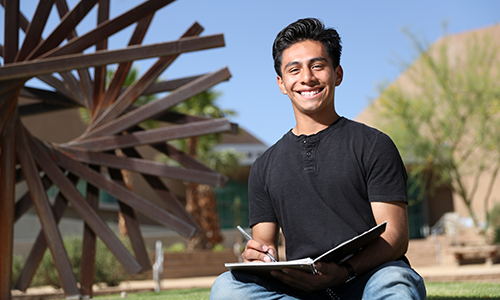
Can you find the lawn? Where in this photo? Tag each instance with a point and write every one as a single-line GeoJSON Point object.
{"type": "Point", "coordinates": [435, 291]}
{"type": "Point", "coordinates": [462, 290]}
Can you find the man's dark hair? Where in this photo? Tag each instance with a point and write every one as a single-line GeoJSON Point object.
{"type": "Point", "coordinates": [307, 29]}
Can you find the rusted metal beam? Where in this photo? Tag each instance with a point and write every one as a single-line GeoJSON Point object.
{"type": "Point", "coordinates": [154, 136]}
{"type": "Point", "coordinates": [22, 206]}
{"type": "Point", "coordinates": [74, 85]}
{"type": "Point", "coordinates": [100, 58]}
{"type": "Point", "coordinates": [61, 32]}
{"type": "Point", "coordinates": [23, 22]}
{"type": "Point", "coordinates": [85, 80]}
{"type": "Point", "coordinates": [147, 167]}
{"type": "Point", "coordinates": [168, 85]}
{"type": "Point", "coordinates": [11, 30]}
{"type": "Point", "coordinates": [7, 86]}
{"type": "Point", "coordinates": [138, 87]}
{"type": "Point", "coordinates": [163, 192]}
{"type": "Point", "coordinates": [38, 249]}
{"type": "Point", "coordinates": [123, 194]}
{"type": "Point", "coordinates": [25, 202]}
{"type": "Point", "coordinates": [157, 107]}
{"type": "Point", "coordinates": [47, 97]}
{"type": "Point", "coordinates": [46, 216]}
{"type": "Point", "coordinates": [186, 160]}
{"type": "Point", "coordinates": [133, 229]}
{"type": "Point", "coordinates": [7, 107]}
{"type": "Point", "coordinates": [181, 157]}
{"type": "Point", "coordinates": [178, 118]}
{"type": "Point", "coordinates": [85, 85]}
{"type": "Point", "coordinates": [83, 209]}
{"type": "Point", "coordinates": [62, 9]}
{"type": "Point", "coordinates": [89, 243]}
{"type": "Point", "coordinates": [7, 202]}
{"type": "Point", "coordinates": [109, 28]}
{"type": "Point", "coordinates": [123, 68]}
{"type": "Point", "coordinates": [100, 72]}
{"type": "Point", "coordinates": [62, 88]}
{"type": "Point", "coordinates": [35, 28]}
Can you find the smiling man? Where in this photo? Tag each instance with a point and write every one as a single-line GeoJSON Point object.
{"type": "Point", "coordinates": [327, 180]}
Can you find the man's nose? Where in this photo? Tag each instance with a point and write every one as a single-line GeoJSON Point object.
{"type": "Point", "coordinates": [308, 76]}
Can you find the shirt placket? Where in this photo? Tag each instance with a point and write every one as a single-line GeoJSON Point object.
{"type": "Point", "coordinates": [309, 154]}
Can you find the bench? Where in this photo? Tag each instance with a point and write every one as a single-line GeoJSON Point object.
{"type": "Point", "coordinates": [487, 252]}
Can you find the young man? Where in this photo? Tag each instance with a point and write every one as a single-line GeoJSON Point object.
{"type": "Point", "coordinates": [324, 182]}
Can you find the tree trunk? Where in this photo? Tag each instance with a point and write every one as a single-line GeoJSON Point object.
{"type": "Point", "coordinates": [127, 180]}
{"type": "Point", "coordinates": [200, 203]}
{"type": "Point", "coordinates": [202, 206]}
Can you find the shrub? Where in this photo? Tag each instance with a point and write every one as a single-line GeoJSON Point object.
{"type": "Point", "coordinates": [47, 274]}
{"type": "Point", "coordinates": [17, 266]}
{"type": "Point", "coordinates": [108, 269]}
{"type": "Point", "coordinates": [218, 248]}
{"type": "Point", "coordinates": [176, 247]}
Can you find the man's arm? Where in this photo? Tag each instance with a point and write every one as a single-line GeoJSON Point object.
{"type": "Point", "coordinates": [265, 238]}
{"type": "Point", "coordinates": [391, 245]}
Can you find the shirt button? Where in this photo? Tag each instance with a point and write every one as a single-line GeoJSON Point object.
{"type": "Point", "coordinates": [304, 141]}
{"type": "Point", "coordinates": [308, 153]}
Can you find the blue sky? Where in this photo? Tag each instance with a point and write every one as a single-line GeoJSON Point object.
{"type": "Point", "coordinates": [371, 37]}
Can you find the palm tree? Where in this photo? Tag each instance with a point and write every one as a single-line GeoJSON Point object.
{"type": "Point", "coordinates": [200, 198]}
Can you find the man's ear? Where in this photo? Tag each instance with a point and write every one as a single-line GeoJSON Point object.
{"type": "Point", "coordinates": [281, 84]}
{"type": "Point", "coordinates": [340, 75]}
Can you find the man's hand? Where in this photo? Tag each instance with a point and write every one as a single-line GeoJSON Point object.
{"type": "Point", "coordinates": [256, 251]}
{"type": "Point", "coordinates": [330, 275]}
{"type": "Point", "coordinates": [265, 239]}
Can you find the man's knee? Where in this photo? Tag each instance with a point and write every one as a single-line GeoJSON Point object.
{"type": "Point", "coordinates": [221, 287]}
{"type": "Point", "coordinates": [397, 281]}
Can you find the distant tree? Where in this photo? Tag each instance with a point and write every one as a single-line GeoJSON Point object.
{"type": "Point", "coordinates": [445, 118]}
{"type": "Point", "coordinates": [200, 198]}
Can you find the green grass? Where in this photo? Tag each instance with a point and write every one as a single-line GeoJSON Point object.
{"type": "Point", "coordinates": [435, 291]}
{"type": "Point", "coordinates": [186, 294]}
{"type": "Point", "coordinates": [462, 290]}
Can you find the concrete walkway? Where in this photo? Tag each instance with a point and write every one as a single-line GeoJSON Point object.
{"type": "Point", "coordinates": [476, 272]}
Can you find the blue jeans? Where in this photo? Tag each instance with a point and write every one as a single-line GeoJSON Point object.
{"type": "Point", "coordinates": [393, 280]}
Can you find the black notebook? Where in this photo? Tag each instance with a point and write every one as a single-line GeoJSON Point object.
{"type": "Point", "coordinates": [338, 255]}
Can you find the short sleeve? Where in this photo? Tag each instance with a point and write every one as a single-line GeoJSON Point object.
{"type": "Point", "coordinates": [260, 206]}
{"type": "Point", "coordinates": [386, 177]}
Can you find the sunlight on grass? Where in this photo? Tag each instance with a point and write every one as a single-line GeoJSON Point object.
{"type": "Point", "coordinates": [435, 291]}
{"type": "Point", "coordinates": [185, 294]}
{"type": "Point", "coordinates": [462, 290]}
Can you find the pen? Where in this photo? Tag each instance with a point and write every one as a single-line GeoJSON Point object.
{"type": "Point", "coordinates": [249, 237]}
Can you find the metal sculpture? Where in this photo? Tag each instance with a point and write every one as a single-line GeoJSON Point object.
{"type": "Point", "coordinates": [113, 127]}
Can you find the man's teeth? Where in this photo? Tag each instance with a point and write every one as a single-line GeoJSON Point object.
{"type": "Point", "coordinates": [309, 94]}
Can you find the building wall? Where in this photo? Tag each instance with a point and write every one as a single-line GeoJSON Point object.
{"type": "Point", "coordinates": [440, 203]}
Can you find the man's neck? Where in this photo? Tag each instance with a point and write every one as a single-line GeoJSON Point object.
{"type": "Point", "coordinates": [308, 125]}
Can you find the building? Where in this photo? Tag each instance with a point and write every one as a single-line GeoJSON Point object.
{"type": "Point", "coordinates": [429, 211]}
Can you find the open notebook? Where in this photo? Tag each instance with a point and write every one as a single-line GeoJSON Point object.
{"type": "Point", "coordinates": [338, 254]}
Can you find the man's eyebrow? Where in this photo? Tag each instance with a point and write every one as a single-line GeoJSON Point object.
{"type": "Point", "coordinates": [292, 63]}
{"type": "Point", "coordinates": [311, 61]}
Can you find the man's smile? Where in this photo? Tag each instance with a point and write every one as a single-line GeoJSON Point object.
{"type": "Point", "coordinates": [310, 93]}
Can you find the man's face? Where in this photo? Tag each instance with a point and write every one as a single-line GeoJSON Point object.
{"type": "Point", "coordinates": [309, 78]}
